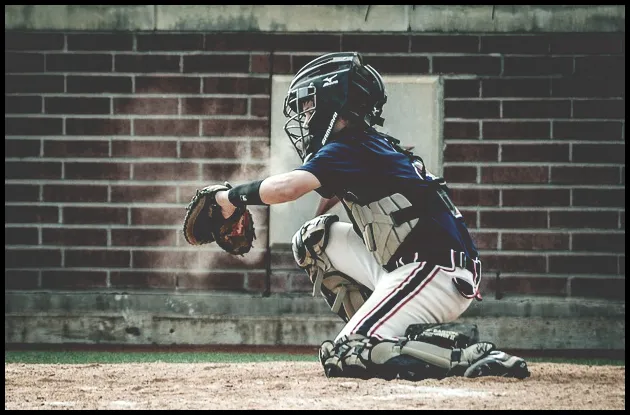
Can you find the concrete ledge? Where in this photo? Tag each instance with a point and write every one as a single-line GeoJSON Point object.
{"type": "Point", "coordinates": [213, 319]}
{"type": "Point", "coordinates": [318, 18]}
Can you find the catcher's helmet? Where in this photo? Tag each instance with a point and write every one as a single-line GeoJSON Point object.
{"type": "Point", "coordinates": [336, 84]}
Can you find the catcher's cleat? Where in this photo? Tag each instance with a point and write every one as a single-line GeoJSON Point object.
{"type": "Point", "coordinates": [499, 363]}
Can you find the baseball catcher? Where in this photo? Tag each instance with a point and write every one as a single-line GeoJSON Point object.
{"type": "Point", "coordinates": [405, 268]}
{"type": "Point", "coordinates": [204, 222]}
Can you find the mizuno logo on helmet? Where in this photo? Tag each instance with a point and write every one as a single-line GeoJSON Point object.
{"type": "Point", "coordinates": [330, 81]}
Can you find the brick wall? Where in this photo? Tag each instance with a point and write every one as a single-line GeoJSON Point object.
{"type": "Point", "coordinates": [107, 135]}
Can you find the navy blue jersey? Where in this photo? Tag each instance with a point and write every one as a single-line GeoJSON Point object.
{"type": "Point", "coordinates": [365, 164]}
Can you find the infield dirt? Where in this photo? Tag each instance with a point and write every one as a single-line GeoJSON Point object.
{"type": "Point", "coordinates": [299, 385]}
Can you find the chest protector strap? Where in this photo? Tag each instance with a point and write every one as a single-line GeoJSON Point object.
{"type": "Point", "coordinates": [384, 224]}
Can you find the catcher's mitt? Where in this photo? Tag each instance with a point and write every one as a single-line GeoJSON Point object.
{"type": "Point", "coordinates": [205, 224]}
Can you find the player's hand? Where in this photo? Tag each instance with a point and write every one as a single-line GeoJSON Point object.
{"type": "Point", "coordinates": [227, 208]}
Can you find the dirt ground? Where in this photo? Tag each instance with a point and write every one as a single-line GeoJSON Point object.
{"type": "Point", "coordinates": [299, 385]}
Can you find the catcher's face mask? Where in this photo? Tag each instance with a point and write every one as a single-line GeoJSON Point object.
{"type": "Point", "coordinates": [300, 105]}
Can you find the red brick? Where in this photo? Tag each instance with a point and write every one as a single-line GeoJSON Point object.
{"type": "Point", "coordinates": [260, 107]}
{"type": "Point", "coordinates": [242, 41]}
{"type": "Point", "coordinates": [31, 214]}
{"type": "Point", "coordinates": [485, 240]}
{"type": "Point", "coordinates": [21, 280]}
{"type": "Point", "coordinates": [471, 109]}
{"type": "Point", "coordinates": [599, 242]}
{"type": "Point", "coordinates": [166, 259]}
{"type": "Point", "coordinates": [586, 43]}
{"type": "Point", "coordinates": [530, 285]}
{"type": "Point", "coordinates": [375, 43]}
{"type": "Point", "coordinates": [33, 84]}
{"type": "Point", "coordinates": [165, 171]}
{"type": "Point", "coordinates": [22, 104]}
{"type": "Point", "coordinates": [514, 175]}
{"type": "Point", "coordinates": [16, 62]}
{"type": "Point", "coordinates": [536, 109]}
{"type": "Point", "coordinates": [152, 193]}
{"type": "Point", "coordinates": [622, 220]}
{"type": "Point", "coordinates": [588, 130]}
{"type": "Point", "coordinates": [90, 215]}
{"type": "Point", "coordinates": [147, 63]}
{"type": "Point", "coordinates": [536, 197]}
{"type": "Point", "coordinates": [461, 130]}
{"type": "Point", "coordinates": [76, 148]}
{"type": "Point", "coordinates": [235, 128]}
{"type": "Point", "coordinates": [233, 171]}
{"type": "Point", "coordinates": [96, 258]}
{"type": "Point", "coordinates": [514, 263]}
{"type": "Point", "coordinates": [479, 65]}
{"type": "Point", "coordinates": [24, 170]}
{"type": "Point", "coordinates": [599, 153]}
{"type": "Point", "coordinates": [84, 62]}
{"type": "Point", "coordinates": [516, 130]}
{"type": "Point", "coordinates": [601, 66]}
{"type": "Point", "coordinates": [462, 88]}
{"type": "Point", "coordinates": [543, 153]}
{"type": "Point", "coordinates": [32, 258]}
{"type": "Point", "coordinates": [304, 42]}
{"type": "Point", "coordinates": [299, 282]}
{"type": "Point", "coordinates": [213, 149]}
{"type": "Point", "coordinates": [215, 281]}
{"type": "Point", "coordinates": [583, 220]}
{"type": "Point", "coordinates": [264, 63]}
{"type": "Point", "coordinates": [609, 288]}
{"type": "Point", "coordinates": [156, 216]}
{"type": "Point", "coordinates": [216, 63]}
{"type": "Point", "coordinates": [457, 174]}
{"type": "Point", "coordinates": [30, 126]}
{"type": "Point", "coordinates": [513, 219]}
{"type": "Point", "coordinates": [256, 282]}
{"type": "Point", "coordinates": [169, 41]}
{"type": "Point", "coordinates": [73, 280]}
{"type": "Point", "coordinates": [146, 106]}
{"type": "Point", "coordinates": [528, 66]}
{"type": "Point", "coordinates": [471, 152]}
{"type": "Point", "coordinates": [167, 85]}
{"type": "Point", "coordinates": [584, 175]}
{"type": "Point", "coordinates": [18, 40]}
{"type": "Point", "coordinates": [139, 149]}
{"type": "Point", "coordinates": [470, 217]}
{"type": "Point", "coordinates": [475, 197]}
{"type": "Point", "coordinates": [588, 87]}
{"type": "Point", "coordinates": [214, 106]}
{"type": "Point", "coordinates": [67, 193]}
{"type": "Point", "coordinates": [97, 126]}
{"type": "Point", "coordinates": [100, 41]}
{"type": "Point", "coordinates": [74, 237]}
{"type": "Point", "coordinates": [234, 85]}
{"type": "Point", "coordinates": [98, 84]}
{"type": "Point", "coordinates": [600, 108]}
{"type": "Point", "coordinates": [143, 237]}
{"type": "Point", "coordinates": [443, 44]}
{"type": "Point", "coordinates": [516, 88]}
{"type": "Point", "coordinates": [162, 127]}
{"type": "Point", "coordinates": [96, 171]}
{"type": "Point", "coordinates": [142, 279]}
{"type": "Point", "coordinates": [21, 148]}
{"type": "Point", "coordinates": [259, 150]}
{"type": "Point", "coordinates": [280, 282]}
{"type": "Point", "coordinates": [600, 197]}
{"type": "Point", "coordinates": [583, 264]}
{"type": "Point", "coordinates": [515, 44]}
{"type": "Point", "coordinates": [76, 105]}
{"type": "Point", "coordinates": [21, 193]}
{"type": "Point", "coordinates": [391, 64]}
{"type": "Point", "coordinates": [20, 236]}
{"type": "Point", "coordinates": [283, 260]}
{"type": "Point", "coordinates": [535, 242]}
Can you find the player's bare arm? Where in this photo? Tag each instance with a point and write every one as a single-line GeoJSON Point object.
{"type": "Point", "coordinates": [280, 188]}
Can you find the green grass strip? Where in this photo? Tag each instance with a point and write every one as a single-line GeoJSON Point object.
{"type": "Point", "coordinates": [83, 357]}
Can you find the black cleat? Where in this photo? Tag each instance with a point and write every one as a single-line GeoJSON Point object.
{"type": "Point", "coordinates": [498, 363]}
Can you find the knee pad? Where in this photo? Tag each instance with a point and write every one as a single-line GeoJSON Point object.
{"type": "Point", "coordinates": [362, 357]}
{"type": "Point", "coordinates": [344, 295]}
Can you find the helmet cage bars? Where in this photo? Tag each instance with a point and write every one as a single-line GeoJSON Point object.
{"type": "Point", "coordinates": [299, 115]}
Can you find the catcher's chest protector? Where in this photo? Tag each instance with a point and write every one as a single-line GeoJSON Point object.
{"type": "Point", "coordinates": [382, 232]}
